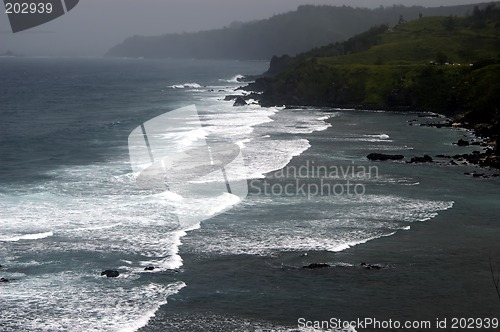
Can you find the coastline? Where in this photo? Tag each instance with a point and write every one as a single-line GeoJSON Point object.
{"type": "Point", "coordinates": [436, 269]}
{"type": "Point", "coordinates": [488, 158]}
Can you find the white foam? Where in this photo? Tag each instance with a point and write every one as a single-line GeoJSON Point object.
{"type": "Point", "coordinates": [35, 236]}
{"type": "Point", "coordinates": [194, 210]}
{"type": "Point", "coordinates": [374, 138]}
{"type": "Point", "coordinates": [345, 223]}
{"type": "Point", "coordinates": [93, 228]}
{"type": "Point", "coordinates": [265, 155]}
{"type": "Point", "coordinates": [251, 127]}
{"type": "Point", "coordinates": [302, 121]}
{"type": "Point", "coordinates": [82, 303]}
{"type": "Point", "coordinates": [186, 86]}
{"type": "Point", "coordinates": [351, 244]}
{"type": "Point", "coordinates": [141, 227]}
{"type": "Point", "coordinates": [141, 321]}
{"type": "Point", "coordinates": [380, 136]}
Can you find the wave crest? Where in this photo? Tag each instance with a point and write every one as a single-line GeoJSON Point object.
{"type": "Point", "coordinates": [185, 86]}
{"type": "Point", "coordinates": [34, 236]}
{"type": "Point", "coordinates": [234, 79]}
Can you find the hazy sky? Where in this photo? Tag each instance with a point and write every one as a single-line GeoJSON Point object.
{"type": "Point", "coordinates": [93, 26]}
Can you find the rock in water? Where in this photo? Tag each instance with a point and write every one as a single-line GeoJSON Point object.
{"type": "Point", "coordinates": [110, 273]}
{"type": "Point", "coordinates": [371, 266]}
{"type": "Point", "coordinates": [239, 101]}
{"type": "Point", "coordinates": [4, 280]}
{"type": "Point", "coordinates": [382, 157]}
{"type": "Point", "coordinates": [230, 97]}
{"type": "Point", "coordinates": [149, 268]}
{"type": "Point", "coordinates": [315, 266]}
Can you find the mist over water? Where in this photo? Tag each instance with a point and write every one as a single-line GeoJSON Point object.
{"type": "Point", "coordinates": [94, 26]}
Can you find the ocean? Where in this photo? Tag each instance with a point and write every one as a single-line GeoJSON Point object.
{"type": "Point", "coordinates": [70, 208]}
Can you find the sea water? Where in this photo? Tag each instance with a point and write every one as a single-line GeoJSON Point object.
{"type": "Point", "coordinates": [70, 207]}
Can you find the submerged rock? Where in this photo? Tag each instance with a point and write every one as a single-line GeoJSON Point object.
{"type": "Point", "coordinates": [315, 266]}
{"type": "Point", "coordinates": [149, 268]}
{"type": "Point", "coordinates": [430, 115]}
{"type": "Point", "coordinates": [371, 266]}
{"type": "Point", "coordinates": [383, 157]}
{"type": "Point", "coordinates": [424, 159]}
{"type": "Point", "coordinates": [480, 175]}
{"type": "Point", "coordinates": [462, 142]}
{"type": "Point", "coordinates": [437, 125]}
{"type": "Point", "coordinates": [110, 273]}
{"type": "Point", "coordinates": [4, 280]}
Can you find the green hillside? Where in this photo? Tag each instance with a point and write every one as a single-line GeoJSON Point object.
{"type": "Point", "coordinates": [422, 40]}
{"type": "Point", "coordinates": [445, 64]}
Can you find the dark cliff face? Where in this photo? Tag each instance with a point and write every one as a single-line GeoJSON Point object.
{"type": "Point", "coordinates": [278, 64]}
{"type": "Point", "coordinates": [444, 90]}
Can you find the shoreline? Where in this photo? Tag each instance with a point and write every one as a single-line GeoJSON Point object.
{"type": "Point", "coordinates": [424, 271]}
{"type": "Point", "coordinates": [489, 158]}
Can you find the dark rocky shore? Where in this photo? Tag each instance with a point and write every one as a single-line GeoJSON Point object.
{"type": "Point", "coordinates": [486, 139]}
{"type": "Point", "coordinates": [456, 88]}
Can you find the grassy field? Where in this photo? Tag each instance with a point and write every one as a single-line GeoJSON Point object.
{"type": "Point", "coordinates": [427, 39]}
